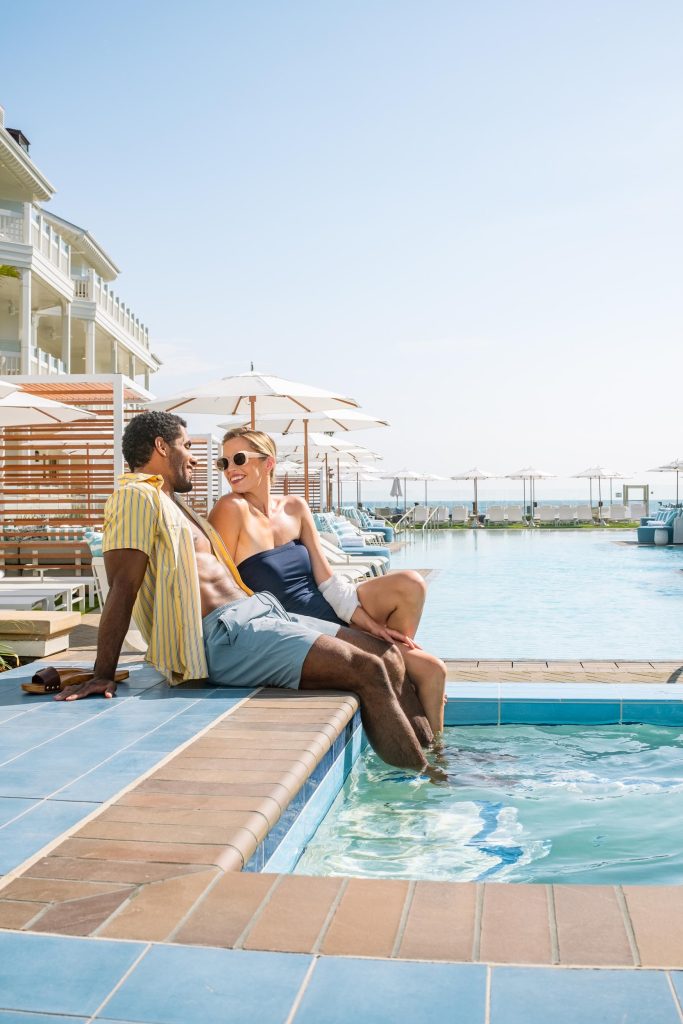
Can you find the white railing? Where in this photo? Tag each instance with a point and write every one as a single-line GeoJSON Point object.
{"type": "Point", "coordinates": [94, 289]}
{"type": "Point", "coordinates": [11, 226]}
{"type": "Point", "coordinates": [10, 364]}
{"type": "Point", "coordinates": [50, 243]}
{"type": "Point", "coordinates": [44, 363]}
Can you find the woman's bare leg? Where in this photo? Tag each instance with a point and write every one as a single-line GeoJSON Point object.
{"type": "Point", "coordinates": [332, 663]}
{"type": "Point", "coordinates": [395, 600]}
{"type": "Point", "coordinates": [428, 674]}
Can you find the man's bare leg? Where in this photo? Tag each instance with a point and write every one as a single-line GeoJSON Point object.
{"type": "Point", "coordinates": [333, 664]}
{"type": "Point", "coordinates": [404, 688]}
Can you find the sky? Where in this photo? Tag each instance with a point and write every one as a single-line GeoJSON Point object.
{"type": "Point", "coordinates": [466, 216]}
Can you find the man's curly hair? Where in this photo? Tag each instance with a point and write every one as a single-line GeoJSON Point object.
{"type": "Point", "coordinates": [139, 436]}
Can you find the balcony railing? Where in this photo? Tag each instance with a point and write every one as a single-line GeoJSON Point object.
{"type": "Point", "coordinates": [94, 289]}
{"type": "Point", "coordinates": [50, 243]}
{"type": "Point", "coordinates": [40, 362]}
{"type": "Point", "coordinates": [11, 226]}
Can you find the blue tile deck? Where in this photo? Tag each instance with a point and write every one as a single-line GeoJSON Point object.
{"type": "Point", "coordinates": [46, 974]}
{"type": "Point", "coordinates": [535, 995]}
{"type": "Point", "coordinates": [385, 991]}
{"type": "Point", "coordinates": [183, 985]}
{"type": "Point", "coordinates": [59, 761]}
{"type": "Point", "coordinates": [43, 978]}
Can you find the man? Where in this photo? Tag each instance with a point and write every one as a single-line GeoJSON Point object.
{"type": "Point", "coordinates": [201, 621]}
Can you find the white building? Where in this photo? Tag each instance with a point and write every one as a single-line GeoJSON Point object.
{"type": "Point", "coordinates": [58, 313]}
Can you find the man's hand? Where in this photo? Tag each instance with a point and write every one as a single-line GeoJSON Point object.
{"type": "Point", "coordinates": [106, 687]}
{"type": "Point", "coordinates": [361, 620]}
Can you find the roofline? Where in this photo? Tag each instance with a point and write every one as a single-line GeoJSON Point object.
{"type": "Point", "coordinates": [90, 243]}
{"type": "Point", "coordinates": [21, 164]}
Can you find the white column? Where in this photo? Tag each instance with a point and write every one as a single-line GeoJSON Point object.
{"type": "Point", "coordinates": [90, 346]}
{"type": "Point", "coordinates": [117, 388]}
{"type": "Point", "coordinates": [35, 320]}
{"type": "Point", "coordinates": [25, 321]}
{"type": "Point", "coordinates": [147, 378]}
{"type": "Point", "coordinates": [115, 357]}
{"type": "Point", "coordinates": [131, 366]}
{"type": "Point", "coordinates": [66, 335]}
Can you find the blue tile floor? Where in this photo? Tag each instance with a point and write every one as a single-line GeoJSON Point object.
{"type": "Point", "coordinates": [60, 761]}
{"type": "Point", "coordinates": [53, 979]}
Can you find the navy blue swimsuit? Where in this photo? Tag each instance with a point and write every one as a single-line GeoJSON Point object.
{"type": "Point", "coordinates": [286, 572]}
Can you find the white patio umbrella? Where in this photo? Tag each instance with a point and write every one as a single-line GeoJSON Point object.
{"type": "Point", "coordinates": [21, 409]}
{"type": "Point", "coordinates": [531, 474]}
{"type": "Point", "coordinates": [428, 478]}
{"type": "Point", "coordinates": [255, 395]}
{"type": "Point", "coordinates": [362, 475]}
{"type": "Point", "coordinates": [6, 388]}
{"type": "Point", "coordinates": [476, 474]}
{"type": "Point", "coordinates": [675, 466]}
{"type": "Point", "coordinates": [599, 473]}
{"type": "Point", "coordinates": [404, 475]}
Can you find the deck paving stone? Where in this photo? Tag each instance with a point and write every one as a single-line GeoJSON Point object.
{"type": "Point", "coordinates": [183, 985]}
{"type": "Point", "coordinates": [528, 995]}
{"type": "Point", "coordinates": [218, 805]}
{"type": "Point", "coordinates": [80, 916]}
{"type": "Point", "coordinates": [50, 974]}
{"type": "Point", "coordinates": [156, 910]}
{"type": "Point", "coordinates": [367, 918]}
{"type": "Point", "coordinates": [108, 870]}
{"type": "Point", "coordinates": [590, 926]}
{"type": "Point", "coordinates": [222, 916]}
{"type": "Point", "coordinates": [171, 853]}
{"type": "Point", "coordinates": [56, 890]}
{"type": "Point", "coordinates": [515, 924]}
{"type": "Point", "coordinates": [17, 914]}
{"type": "Point", "coordinates": [387, 992]}
{"type": "Point", "coordinates": [440, 923]}
{"type": "Point", "coordinates": [656, 913]}
{"type": "Point", "coordinates": [293, 918]}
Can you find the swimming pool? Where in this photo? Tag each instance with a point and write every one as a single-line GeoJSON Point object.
{"type": "Point", "coordinates": [548, 594]}
{"type": "Point", "coordinates": [551, 804]}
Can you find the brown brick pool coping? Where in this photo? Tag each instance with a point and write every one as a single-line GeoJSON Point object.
{"type": "Point", "coordinates": [163, 861]}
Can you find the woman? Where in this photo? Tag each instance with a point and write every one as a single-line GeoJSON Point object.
{"type": "Point", "coordinates": [276, 547]}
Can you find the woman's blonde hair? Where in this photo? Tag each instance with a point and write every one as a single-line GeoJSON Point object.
{"type": "Point", "coordinates": [259, 441]}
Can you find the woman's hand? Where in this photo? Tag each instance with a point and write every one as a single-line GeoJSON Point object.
{"type": "Point", "coordinates": [361, 620]}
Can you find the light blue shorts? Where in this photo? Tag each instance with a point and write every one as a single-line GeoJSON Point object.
{"type": "Point", "coordinates": [255, 642]}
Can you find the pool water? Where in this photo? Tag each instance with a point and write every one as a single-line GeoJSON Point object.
{"type": "Point", "coordinates": [575, 804]}
{"type": "Point", "coordinates": [549, 594]}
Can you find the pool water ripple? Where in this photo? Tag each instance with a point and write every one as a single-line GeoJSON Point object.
{"type": "Point", "coordinates": [525, 803]}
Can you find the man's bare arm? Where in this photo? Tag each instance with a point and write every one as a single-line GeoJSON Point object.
{"type": "Point", "coordinates": [126, 569]}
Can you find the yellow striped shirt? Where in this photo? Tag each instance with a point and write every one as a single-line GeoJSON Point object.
{"type": "Point", "coordinates": [168, 606]}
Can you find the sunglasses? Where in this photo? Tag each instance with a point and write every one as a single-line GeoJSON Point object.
{"type": "Point", "coordinates": [239, 459]}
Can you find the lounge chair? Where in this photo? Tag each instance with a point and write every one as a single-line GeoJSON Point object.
{"type": "Point", "coordinates": [496, 514]}
{"type": "Point", "coordinates": [547, 513]}
{"type": "Point", "coordinates": [566, 514]}
{"type": "Point", "coordinates": [584, 514]}
{"type": "Point", "coordinates": [376, 565]}
{"type": "Point", "coordinates": [515, 514]}
{"type": "Point", "coordinates": [460, 514]}
{"type": "Point", "coordinates": [615, 513]}
{"type": "Point", "coordinates": [638, 509]}
{"type": "Point", "coordinates": [440, 514]}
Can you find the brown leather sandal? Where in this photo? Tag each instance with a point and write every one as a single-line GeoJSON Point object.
{"type": "Point", "coordinates": [54, 680]}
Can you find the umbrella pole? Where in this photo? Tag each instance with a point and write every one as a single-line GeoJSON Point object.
{"type": "Point", "coordinates": [610, 491]}
{"type": "Point", "coordinates": [306, 487]}
{"type": "Point", "coordinates": [327, 485]}
{"type": "Point", "coordinates": [476, 500]}
{"type": "Point", "coordinates": [590, 492]}
{"type": "Point", "coordinates": [339, 494]}
{"type": "Point", "coordinates": [252, 403]}
{"type": "Point", "coordinates": [524, 494]}
{"type": "Point", "coordinates": [599, 498]}
{"type": "Point", "coordinates": [676, 487]}
{"type": "Point", "coordinates": [405, 496]}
